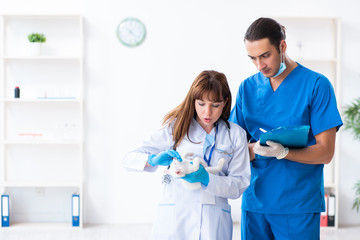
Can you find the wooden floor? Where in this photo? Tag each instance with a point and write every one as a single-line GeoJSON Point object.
{"type": "Point", "coordinates": [133, 232]}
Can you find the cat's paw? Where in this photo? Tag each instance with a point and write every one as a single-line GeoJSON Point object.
{"type": "Point", "coordinates": [221, 162]}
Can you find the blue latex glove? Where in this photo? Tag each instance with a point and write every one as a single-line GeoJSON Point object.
{"type": "Point", "coordinates": [164, 158]}
{"type": "Point", "coordinates": [200, 175]}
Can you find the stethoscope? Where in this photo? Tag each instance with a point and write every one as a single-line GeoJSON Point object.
{"type": "Point", "coordinates": [167, 179]}
{"type": "Point", "coordinates": [232, 144]}
{"type": "Point", "coordinates": [207, 160]}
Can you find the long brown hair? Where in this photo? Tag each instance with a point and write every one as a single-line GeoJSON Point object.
{"type": "Point", "coordinates": [208, 83]}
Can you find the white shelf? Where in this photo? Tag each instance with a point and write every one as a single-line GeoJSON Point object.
{"type": "Point", "coordinates": [295, 18]}
{"type": "Point", "coordinates": [330, 185]}
{"type": "Point", "coordinates": [42, 16]}
{"type": "Point", "coordinates": [14, 226]}
{"type": "Point", "coordinates": [53, 165]}
{"type": "Point", "coordinates": [42, 142]}
{"type": "Point", "coordinates": [30, 184]}
{"type": "Point", "coordinates": [76, 58]}
{"type": "Point", "coordinates": [332, 60]}
{"type": "Point", "coordinates": [41, 100]}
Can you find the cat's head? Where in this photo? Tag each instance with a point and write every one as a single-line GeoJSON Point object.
{"type": "Point", "coordinates": [176, 169]}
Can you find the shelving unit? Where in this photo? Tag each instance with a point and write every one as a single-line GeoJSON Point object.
{"type": "Point", "coordinates": [41, 134]}
{"type": "Point", "coordinates": [315, 43]}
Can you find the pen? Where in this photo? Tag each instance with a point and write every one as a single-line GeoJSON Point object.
{"type": "Point", "coordinates": [263, 130]}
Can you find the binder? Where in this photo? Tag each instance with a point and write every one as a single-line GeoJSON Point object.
{"type": "Point", "coordinates": [75, 210]}
{"type": "Point", "coordinates": [5, 211]}
{"type": "Point", "coordinates": [324, 215]}
{"type": "Point", "coordinates": [331, 211]}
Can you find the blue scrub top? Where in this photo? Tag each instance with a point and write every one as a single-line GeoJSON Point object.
{"type": "Point", "coordinates": [303, 98]}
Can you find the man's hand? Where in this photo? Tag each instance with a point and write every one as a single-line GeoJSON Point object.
{"type": "Point", "coordinates": [273, 150]}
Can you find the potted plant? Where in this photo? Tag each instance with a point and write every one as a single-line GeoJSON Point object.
{"type": "Point", "coordinates": [352, 123]}
{"type": "Point", "coordinates": [356, 203]}
{"type": "Point", "coordinates": [36, 42]}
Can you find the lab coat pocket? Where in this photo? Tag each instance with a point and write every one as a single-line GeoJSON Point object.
{"type": "Point", "coordinates": [217, 222]}
{"type": "Point", "coordinates": [223, 151]}
{"type": "Point", "coordinates": [226, 212]}
{"type": "Point", "coordinates": [301, 178]}
{"type": "Point", "coordinates": [226, 223]}
{"type": "Point", "coordinates": [168, 195]}
{"type": "Point", "coordinates": [164, 224]}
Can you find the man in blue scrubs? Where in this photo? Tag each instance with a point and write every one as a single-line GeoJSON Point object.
{"type": "Point", "coordinates": [286, 193]}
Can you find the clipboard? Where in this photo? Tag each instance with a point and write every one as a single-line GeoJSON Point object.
{"type": "Point", "coordinates": [288, 136]}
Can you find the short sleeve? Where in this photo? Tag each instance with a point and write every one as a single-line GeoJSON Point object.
{"type": "Point", "coordinates": [236, 115]}
{"type": "Point", "coordinates": [324, 113]}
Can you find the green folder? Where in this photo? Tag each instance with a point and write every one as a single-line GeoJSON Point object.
{"type": "Point", "coordinates": [288, 136]}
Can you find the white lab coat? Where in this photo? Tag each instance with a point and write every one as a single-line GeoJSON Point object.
{"type": "Point", "coordinates": [205, 213]}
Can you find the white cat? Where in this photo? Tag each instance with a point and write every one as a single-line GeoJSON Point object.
{"type": "Point", "coordinates": [179, 169]}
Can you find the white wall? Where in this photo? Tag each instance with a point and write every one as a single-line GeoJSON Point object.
{"type": "Point", "coordinates": [129, 91]}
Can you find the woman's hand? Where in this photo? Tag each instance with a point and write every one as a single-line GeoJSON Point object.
{"type": "Point", "coordinates": [164, 158]}
{"type": "Point", "coordinates": [201, 175]}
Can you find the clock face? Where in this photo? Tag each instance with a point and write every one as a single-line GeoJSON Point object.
{"type": "Point", "coordinates": [131, 32]}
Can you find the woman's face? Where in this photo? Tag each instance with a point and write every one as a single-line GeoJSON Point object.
{"type": "Point", "coordinates": [208, 112]}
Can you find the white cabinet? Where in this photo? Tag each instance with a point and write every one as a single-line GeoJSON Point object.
{"type": "Point", "coordinates": [41, 132]}
{"type": "Point", "coordinates": [315, 43]}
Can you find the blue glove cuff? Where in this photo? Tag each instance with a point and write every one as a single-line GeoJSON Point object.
{"type": "Point", "coordinates": [200, 175]}
{"type": "Point", "coordinates": [150, 158]}
{"type": "Point", "coordinates": [206, 180]}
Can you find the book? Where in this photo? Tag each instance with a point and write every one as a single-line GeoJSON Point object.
{"type": "Point", "coordinates": [288, 136]}
{"type": "Point", "coordinates": [331, 211]}
{"type": "Point", "coordinates": [5, 211]}
{"type": "Point", "coordinates": [324, 215]}
{"type": "Point", "coordinates": [75, 210]}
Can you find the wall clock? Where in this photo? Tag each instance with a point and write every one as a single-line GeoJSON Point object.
{"type": "Point", "coordinates": [131, 32]}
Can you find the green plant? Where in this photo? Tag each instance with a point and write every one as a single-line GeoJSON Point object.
{"type": "Point", "coordinates": [356, 203]}
{"type": "Point", "coordinates": [37, 37]}
{"type": "Point", "coordinates": [352, 118]}
{"type": "Point", "coordinates": [352, 122]}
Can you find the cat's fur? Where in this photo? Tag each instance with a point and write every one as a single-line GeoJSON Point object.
{"type": "Point", "coordinates": [179, 169]}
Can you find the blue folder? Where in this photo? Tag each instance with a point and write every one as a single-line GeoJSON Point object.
{"type": "Point", "coordinates": [288, 136]}
{"type": "Point", "coordinates": [75, 210]}
{"type": "Point", "coordinates": [5, 211]}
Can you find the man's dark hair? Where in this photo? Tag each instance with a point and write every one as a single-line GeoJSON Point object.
{"type": "Point", "coordinates": [266, 28]}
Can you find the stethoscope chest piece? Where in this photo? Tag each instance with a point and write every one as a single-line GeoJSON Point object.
{"type": "Point", "coordinates": [166, 179]}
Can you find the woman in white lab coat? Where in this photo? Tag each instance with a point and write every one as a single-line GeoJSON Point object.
{"type": "Point", "coordinates": [198, 125]}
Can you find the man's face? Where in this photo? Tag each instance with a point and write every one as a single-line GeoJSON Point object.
{"type": "Point", "coordinates": [264, 56]}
